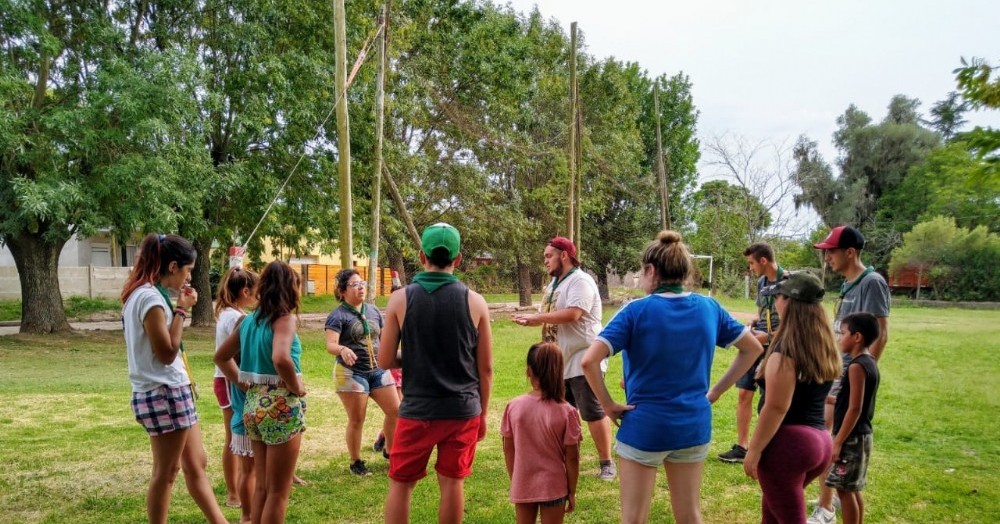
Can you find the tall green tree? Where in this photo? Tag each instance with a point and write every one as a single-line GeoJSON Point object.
{"type": "Point", "coordinates": [979, 84]}
{"type": "Point", "coordinates": [92, 136]}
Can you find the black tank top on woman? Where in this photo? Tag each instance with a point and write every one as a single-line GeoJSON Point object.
{"type": "Point", "coordinates": [439, 344]}
{"type": "Point", "coordinates": [808, 402]}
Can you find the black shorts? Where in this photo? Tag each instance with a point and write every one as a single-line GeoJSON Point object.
{"type": "Point", "coordinates": [581, 397]}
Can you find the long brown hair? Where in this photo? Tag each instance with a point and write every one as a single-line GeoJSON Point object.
{"type": "Point", "coordinates": [233, 283]}
{"type": "Point", "coordinates": [278, 292]}
{"type": "Point", "coordinates": [156, 252]}
{"type": "Point", "coordinates": [805, 337]}
{"type": "Point", "coordinates": [669, 257]}
{"type": "Point", "coordinates": [546, 364]}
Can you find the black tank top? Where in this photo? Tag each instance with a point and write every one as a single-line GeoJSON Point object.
{"type": "Point", "coordinates": [808, 402]}
{"type": "Point", "coordinates": [439, 355]}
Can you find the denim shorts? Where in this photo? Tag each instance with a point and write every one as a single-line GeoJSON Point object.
{"type": "Point", "coordinates": [655, 459]}
{"type": "Point", "coordinates": [349, 381]}
{"type": "Point", "coordinates": [748, 381]}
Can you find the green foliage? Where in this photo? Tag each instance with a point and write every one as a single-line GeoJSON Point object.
{"type": "Point", "coordinates": [980, 86]}
{"type": "Point", "coordinates": [961, 263]}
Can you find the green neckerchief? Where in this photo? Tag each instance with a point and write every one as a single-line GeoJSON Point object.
{"type": "Point", "coordinates": [556, 282]}
{"type": "Point", "coordinates": [673, 288]}
{"type": "Point", "coordinates": [431, 281]}
{"type": "Point", "coordinates": [163, 293]}
{"type": "Point", "coordinates": [847, 287]}
{"type": "Point", "coordinates": [187, 366]}
{"type": "Point", "coordinates": [360, 314]}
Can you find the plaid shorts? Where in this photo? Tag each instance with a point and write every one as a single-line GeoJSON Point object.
{"type": "Point", "coordinates": [164, 409]}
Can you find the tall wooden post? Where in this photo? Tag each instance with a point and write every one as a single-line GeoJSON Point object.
{"type": "Point", "coordinates": [343, 135]}
{"type": "Point", "coordinates": [571, 149]}
{"type": "Point", "coordinates": [577, 208]}
{"type": "Point", "coordinates": [661, 171]}
{"type": "Point", "coordinates": [377, 176]}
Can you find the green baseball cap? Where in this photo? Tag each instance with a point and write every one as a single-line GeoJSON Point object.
{"type": "Point", "coordinates": [801, 286]}
{"type": "Point", "coordinates": [441, 235]}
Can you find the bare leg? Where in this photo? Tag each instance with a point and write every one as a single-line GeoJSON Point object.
{"type": "Point", "coordinates": [354, 405]}
{"type": "Point", "coordinates": [553, 514]}
{"type": "Point", "coordinates": [193, 462]}
{"type": "Point", "coordinates": [166, 463]}
{"type": "Point", "coordinates": [260, 486]}
{"type": "Point", "coordinates": [636, 486]}
{"type": "Point", "coordinates": [389, 403]}
{"type": "Point", "coordinates": [684, 483]}
{"type": "Point", "coordinates": [230, 462]}
{"type": "Point", "coordinates": [247, 484]}
{"type": "Point", "coordinates": [744, 413]}
{"type": "Point", "coordinates": [452, 507]}
{"type": "Point", "coordinates": [851, 507]}
{"type": "Point", "coordinates": [526, 512]}
{"type": "Point", "coordinates": [280, 468]}
{"type": "Point", "coordinates": [600, 431]}
{"type": "Point", "coordinates": [397, 502]}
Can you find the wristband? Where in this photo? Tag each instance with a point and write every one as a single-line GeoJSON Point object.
{"type": "Point", "coordinates": [180, 312]}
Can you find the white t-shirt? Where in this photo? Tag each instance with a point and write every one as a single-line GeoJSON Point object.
{"type": "Point", "coordinates": [578, 290]}
{"type": "Point", "coordinates": [224, 326]}
{"type": "Point", "coordinates": [145, 371]}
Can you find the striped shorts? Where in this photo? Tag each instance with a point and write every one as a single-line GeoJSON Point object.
{"type": "Point", "coordinates": [164, 409]}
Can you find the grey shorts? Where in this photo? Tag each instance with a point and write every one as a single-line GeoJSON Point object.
{"type": "Point", "coordinates": [655, 459]}
{"type": "Point", "coordinates": [580, 396]}
{"type": "Point", "coordinates": [850, 471]}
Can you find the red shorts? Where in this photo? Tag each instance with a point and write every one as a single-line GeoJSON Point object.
{"type": "Point", "coordinates": [221, 387]}
{"type": "Point", "coordinates": [415, 439]}
{"type": "Point", "coordinates": [397, 376]}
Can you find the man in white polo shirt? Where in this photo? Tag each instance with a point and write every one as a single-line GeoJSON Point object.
{"type": "Point", "coordinates": [571, 317]}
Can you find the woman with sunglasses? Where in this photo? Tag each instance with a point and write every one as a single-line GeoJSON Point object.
{"type": "Point", "coordinates": [352, 335]}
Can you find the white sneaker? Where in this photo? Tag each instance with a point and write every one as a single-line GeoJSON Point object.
{"type": "Point", "coordinates": [821, 515]}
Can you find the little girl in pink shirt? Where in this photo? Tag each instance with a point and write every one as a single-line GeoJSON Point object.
{"type": "Point", "coordinates": [541, 442]}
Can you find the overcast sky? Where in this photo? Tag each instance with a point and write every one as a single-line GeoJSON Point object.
{"type": "Point", "coordinates": [774, 69]}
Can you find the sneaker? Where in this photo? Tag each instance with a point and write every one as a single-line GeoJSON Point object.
{"type": "Point", "coordinates": [359, 468]}
{"type": "Point", "coordinates": [836, 502]}
{"type": "Point", "coordinates": [737, 454]}
{"type": "Point", "coordinates": [379, 444]}
{"type": "Point", "coordinates": [820, 515]}
{"type": "Point", "coordinates": [608, 471]}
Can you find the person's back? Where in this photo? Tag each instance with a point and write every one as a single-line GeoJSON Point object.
{"type": "Point", "coordinates": [440, 362]}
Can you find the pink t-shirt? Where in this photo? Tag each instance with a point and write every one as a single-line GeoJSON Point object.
{"type": "Point", "coordinates": [541, 430]}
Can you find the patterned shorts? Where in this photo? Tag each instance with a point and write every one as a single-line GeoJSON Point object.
{"type": "Point", "coordinates": [164, 409]}
{"type": "Point", "coordinates": [850, 471]}
{"type": "Point", "coordinates": [349, 381]}
{"type": "Point", "coordinates": [273, 415]}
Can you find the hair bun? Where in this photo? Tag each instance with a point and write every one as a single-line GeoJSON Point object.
{"type": "Point", "coordinates": [668, 236]}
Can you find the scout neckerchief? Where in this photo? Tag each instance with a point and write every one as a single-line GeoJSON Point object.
{"type": "Point", "coordinates": [673, 288]}
{"type": "Point", "coordinates": [548, 333]}
{"type": "Point", "coordinates": [367, 329]}
{"type": "Point", "coordinates": [431, 281]}
{"type": "Point", "coordinates": [846, 287]}
{"type": "Point", "coordinates": [769, 302]}
{"type": "Point", "coordinates": [184, 358]}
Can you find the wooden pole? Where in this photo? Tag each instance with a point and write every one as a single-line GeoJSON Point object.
{"type": "Point", "coordinates": [577, 208]}
{"type": "Point", "coordinates": [401, 207]}
{"type": "Point", "coordinates": [377, 178]}
{"type": "Point", "coordinates": [571, 149]}
{"type": "Point", "coordinates": [661, 171]}
{"type": "Point", "coordinates": [343, 135]}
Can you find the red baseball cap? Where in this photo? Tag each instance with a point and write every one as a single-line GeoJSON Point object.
{"type": "Point", "coordinates": [565, 244]}
{"type": "Point", "coordinates": [842, 237]}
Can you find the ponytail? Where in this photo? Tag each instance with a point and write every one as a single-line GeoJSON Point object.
{"type": "Point", "coordinates": [156, 252]}
{"type": "Point", "coordinates": [233, 283]}
{"type": "Point", "coordinates": [546, 364]}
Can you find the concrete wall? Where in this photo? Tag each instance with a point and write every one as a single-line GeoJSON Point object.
{"type": "Point", "coordinates": [86, 281]}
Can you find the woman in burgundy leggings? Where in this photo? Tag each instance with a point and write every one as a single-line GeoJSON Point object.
{"type": "Point", "coordinates": [791, 446]}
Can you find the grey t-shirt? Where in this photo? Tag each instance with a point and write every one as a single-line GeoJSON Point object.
{"type": "Point", "coordinates": [871, 295]}
{"type": "Point", "coordinates": [352, 334]}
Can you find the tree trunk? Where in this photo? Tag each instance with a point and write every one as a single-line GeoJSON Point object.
{"type": "Point", "coordinates": [602, 284]}
{"type": "Point", "coordinates": [37, 264]}
{"type": "Point", "coordinates": [202, 315]}
{"type": "Point", "coordinates": [523, 283]}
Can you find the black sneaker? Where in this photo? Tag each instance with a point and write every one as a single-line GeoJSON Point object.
{"type": "Point", "coordinates": [359, 468]}
{"type": "Point", "coordinates": [734, 455]}
{"type": "Point", "coordinates": [379, 444]}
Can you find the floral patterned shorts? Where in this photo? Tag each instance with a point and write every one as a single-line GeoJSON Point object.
{"type": "Point", "coordinates": [273, 415]}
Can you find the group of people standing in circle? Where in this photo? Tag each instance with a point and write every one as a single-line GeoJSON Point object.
{"type": "Point", "coordinates": [438, 331]}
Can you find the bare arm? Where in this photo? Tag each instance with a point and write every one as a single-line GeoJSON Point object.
{"type": "Point", "coordinates": [563, 316]}
{"type": "Point", "coordinates": [281, 355]}
{"type": "Point", "coordinates": [392, 322]}
{"type": "Point", "coordinates": [508, 455]}
{"type": "Point", "coordinates": [597, 352]}
{"type": "Point", "coordinates": [484, 354]}
{"type": "Point", "coordinates": [856, 375]}
{"type": "Point", "coordinates": [878, 346]}
{"type": "Point", "coordinates": [165, 340]}
{"type": "Point", "coordinates": [779, 373]}
{"type": "Point", "coordinates": [572, 474]}
{"type": "Point", "coordinates": [335, 348]}
{"type": "Point", "coordinates": [749, 349]}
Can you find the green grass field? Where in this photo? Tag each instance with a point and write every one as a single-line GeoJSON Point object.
{"type": "Point", "coordinates": [71, 451]}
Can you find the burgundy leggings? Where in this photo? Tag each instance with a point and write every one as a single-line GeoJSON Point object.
{"type": "Point", "coordinates": [795, 456]}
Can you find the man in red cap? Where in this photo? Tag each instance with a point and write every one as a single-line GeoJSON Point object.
{"type": "Point", "coordinates": [863, 290]}
{"type": "Point", "coordinates": [571, 317]}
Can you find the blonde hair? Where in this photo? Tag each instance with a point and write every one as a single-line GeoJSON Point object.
{"type": "Point", "coordinates": [233, 283]}
{"type": "Point", "coordinates": [669, 257]}
{"type": "Point", "coordinates": [806, 339]}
